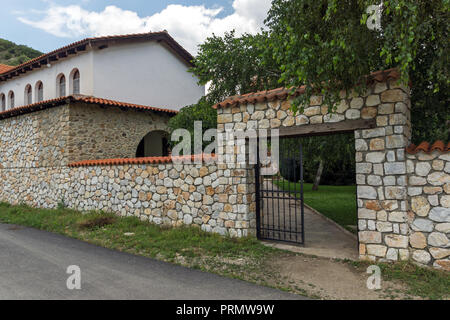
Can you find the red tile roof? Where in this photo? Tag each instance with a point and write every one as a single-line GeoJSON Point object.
{"type": "Point", "coordinates": [5, 68]}
{"type": "Point", "coordinates": [147, 160]}
{"type": "Point", "coordinates": [79, 98]}
{"type": "Point", "coordinates": [78, 46]}
{"type": "Point", "coordinates": [282, 93]}
{"type": "Point", "coordinates": [427, 148]}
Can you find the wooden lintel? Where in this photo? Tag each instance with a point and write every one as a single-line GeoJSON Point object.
{"type": "Point", "coordinates": [327, 128]}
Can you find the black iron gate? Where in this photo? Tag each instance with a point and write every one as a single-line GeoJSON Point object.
{"type": "Point", "coordinates": [279, 197]}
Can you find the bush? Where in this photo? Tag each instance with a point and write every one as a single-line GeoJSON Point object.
{"type": "Point", "coordinates": [201, 111]}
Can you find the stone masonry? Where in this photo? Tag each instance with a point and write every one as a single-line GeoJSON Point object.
{"type": "Point", "coordinates": [380, 156]}
{"type": "Point", "coordinates": [429, 215]}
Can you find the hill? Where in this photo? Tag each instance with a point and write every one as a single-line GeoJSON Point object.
{"type": "Point", "coordinates": [13, 54]}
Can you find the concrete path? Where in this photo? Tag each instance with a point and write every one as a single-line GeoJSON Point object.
{"type": "Point", "coordinates": [323, 237]}
{"type": "Point", "coordinates": [33, 265]}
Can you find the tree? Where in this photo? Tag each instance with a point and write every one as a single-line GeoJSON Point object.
{"type": "Point", "coordinates": [326, 45]}
{"type": "Point", "coordinates": [234, 65]}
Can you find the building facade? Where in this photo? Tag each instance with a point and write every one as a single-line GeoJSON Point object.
{"type": "Point", "coordinates": [146, 69]}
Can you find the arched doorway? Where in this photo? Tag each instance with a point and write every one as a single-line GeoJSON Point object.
{"type": "Point", "coordinates": [154, 144]}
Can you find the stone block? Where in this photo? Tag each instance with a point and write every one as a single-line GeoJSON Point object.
{"type": "Point", "coordinates": [440, 214]}
{"type": "Point", "coordinates": [394, 168]}
{"type": "Point", "coordinates": [366, 192]}
{"type": "Point", "coordinates": [396, 241]}
{"type": "Point", "coordinates": [418, 240]}
{"type": "Point", "coordinates": [438, 239]}
{"type": "Point", "coordinates": [421, 256]}
{"type": "Point", "coordinates": [376, 250]}
{"type": "Point", "coordinates": [370, 237]}
{"type": "Point", "coordinates": [395, 95]}
{"type": "Point", "coordinates": [420, 206]}
{"type": "Point", "coordinates": [375, 157]}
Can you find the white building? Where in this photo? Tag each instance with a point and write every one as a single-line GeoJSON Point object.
{"type": "Point", "coordinates": [148, 69]}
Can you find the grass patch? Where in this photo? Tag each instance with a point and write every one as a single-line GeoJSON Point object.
{"type": "Point", "coordinates": [422, 282]}
{"type": "Point", "coordinates": [148, 239]}
{"type": "Point", "coordinates": [336, 202]}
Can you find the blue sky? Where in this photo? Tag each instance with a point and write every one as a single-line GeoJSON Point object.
{"type": "Point", "coordinates": [49, 24]}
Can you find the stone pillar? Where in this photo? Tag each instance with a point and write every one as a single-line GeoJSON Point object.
{"type": "Point", "coordinates": [236, 190]}
{"type": "Point", "coordinates": [429, 197]}
{"type": "Point", "coordinates": [381, 173]}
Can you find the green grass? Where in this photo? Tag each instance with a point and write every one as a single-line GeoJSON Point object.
{"type": "Point", "coordinates": [421, 282]}
{"type": "Point", "coordinates": [151, 240]}
{"type": "Point", "coordinates": [336, 202]}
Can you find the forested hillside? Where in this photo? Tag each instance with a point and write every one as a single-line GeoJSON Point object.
{"type": "Point", "coordinates": [13, 54]}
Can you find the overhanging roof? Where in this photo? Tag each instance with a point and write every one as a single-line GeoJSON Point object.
{"type": "Point", "coordinates": [80, 98]}
{"type": "Point", "coordinates": [80, 46]}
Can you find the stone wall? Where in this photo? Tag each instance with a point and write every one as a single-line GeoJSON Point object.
{"type": "Point", "coordinates": [380, 156]}
{"type": "Point", "coordinates": [168, 193]}
{"type": "Point", "coordinates": [104, 132]}
{"type": "Point", "coordinates": [35, 140]}
{"type": "Point", "coordinates": [171, 194]}
{"type": "Point", "coordinates": [42, 187]}
{"type": "Point", "coordinates": [38, 147]}
{"type": "Point", "coordinates": [429, 191]}
{"type": "Point", "coordinates": [58, 136]}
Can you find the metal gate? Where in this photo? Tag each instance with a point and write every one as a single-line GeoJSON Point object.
{"type": "Point", "coordinates": [279, 197]}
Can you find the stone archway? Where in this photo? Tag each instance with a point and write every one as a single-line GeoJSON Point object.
{"type": "Point", "coordinates": [154, 144]}
{"type": "Point", "coordinates": [380, 120]}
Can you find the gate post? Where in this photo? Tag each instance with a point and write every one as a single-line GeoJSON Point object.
{"type": "Point", "coordinates": [381, 175]}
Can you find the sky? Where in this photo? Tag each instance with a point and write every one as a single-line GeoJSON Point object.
{"type": "Point", "coordinates": [46, 25]}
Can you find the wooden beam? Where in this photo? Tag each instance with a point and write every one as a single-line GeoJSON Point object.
{"type": "Point", "coordinates": [327, 128]}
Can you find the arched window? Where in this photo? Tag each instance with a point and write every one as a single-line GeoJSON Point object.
{"type": "Point", "coordinates": [11, 99]}
{"type": "Point", "coordinates": [39, 91]}
{"type": "Point", "coordinates": [28, 95]}
{"type": "Point", "coordinates": [76, 82]}
{"type": "Point", "coordinates": [62, 85]}
{"type": "Point", "coordinates": [2, 102]}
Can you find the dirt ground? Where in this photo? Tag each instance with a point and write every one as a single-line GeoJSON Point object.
{"type": "Point", "coordinates": [325, 278]}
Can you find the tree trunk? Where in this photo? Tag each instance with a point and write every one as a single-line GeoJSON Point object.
{"type": "Point", "coordinates": [318, 176]}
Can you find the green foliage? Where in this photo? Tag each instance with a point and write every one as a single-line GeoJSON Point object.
{"type": "Point", "coordinates": [12, 54]}
{"type": "Point", "coordinates": [424, 282]}
{"type": "Point", "coordinates": [108, 230]}
{"type": "Point", "coordinates": [335, 202]}
{"type": "Point", "coordinates": [326, 45]}
{"type": "Point", "coordinates": [323, 45]}
{"type": "Point", "coordinates": [201, 111]}
{"type": "Point", "coordinates": [336, 151]}
{"type": "Point", "coordinates": [234, 65]}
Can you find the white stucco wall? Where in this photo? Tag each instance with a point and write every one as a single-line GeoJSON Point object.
{"type": "Point", "coordinates": [48, 75]}
{"type": "Point", "coordinates": [143, 73]}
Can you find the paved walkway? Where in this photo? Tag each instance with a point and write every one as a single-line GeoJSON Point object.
{"type": "Point", "coordinates": [33, 265]}
{"type": "Point", "coordinates": [322, 237]}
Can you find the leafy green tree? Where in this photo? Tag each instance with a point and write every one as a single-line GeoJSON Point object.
{"type": "Point", "coordinates": [327, 46]}
{"type": "Point", "coordinates": [235, 65]}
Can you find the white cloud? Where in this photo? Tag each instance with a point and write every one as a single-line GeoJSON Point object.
{"type": "Point", "coordinates": [189, 25]}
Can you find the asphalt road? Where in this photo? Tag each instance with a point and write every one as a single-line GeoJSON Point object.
{"type": "Point", "coordinates": [33, 265]}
